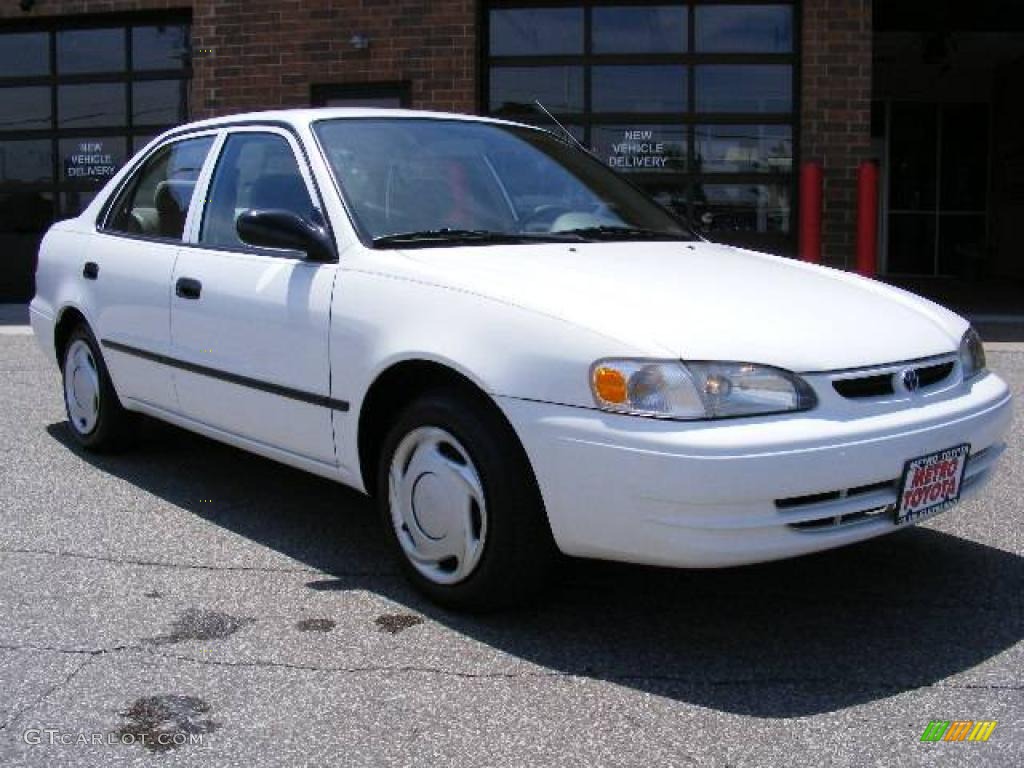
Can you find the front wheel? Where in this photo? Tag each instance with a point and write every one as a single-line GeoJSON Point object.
{"type": "Point", "coordinates": [461, 505]}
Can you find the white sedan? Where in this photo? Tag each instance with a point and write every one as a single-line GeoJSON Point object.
{"type": "Point", "coordinates": [508, 346]}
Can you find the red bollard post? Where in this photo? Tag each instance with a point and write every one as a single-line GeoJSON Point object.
{"type": "Point", "coordinates": [810, 212]}
{"type": "Point", "coordinates": [867, 219]}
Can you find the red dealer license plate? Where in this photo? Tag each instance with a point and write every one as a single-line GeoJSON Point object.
{"type": "Point", "coordinates": [931, 484]}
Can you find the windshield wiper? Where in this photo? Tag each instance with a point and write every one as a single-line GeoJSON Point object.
{"type": "Point", "coordinates": [625, 233]}
{"type": "Point", "coordinates": [462, 236]}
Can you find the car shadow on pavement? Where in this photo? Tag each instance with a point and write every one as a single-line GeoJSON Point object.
{"type": "Point", "coordinates": [800, 637]}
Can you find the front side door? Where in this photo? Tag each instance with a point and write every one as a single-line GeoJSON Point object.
{"type": "Point", "coordinates": [249, 326]}
{"type": "Point", "coordinates": [127, 267]}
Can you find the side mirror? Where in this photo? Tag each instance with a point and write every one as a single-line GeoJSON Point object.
{"type": "Point", "coordinates": [284, 229]}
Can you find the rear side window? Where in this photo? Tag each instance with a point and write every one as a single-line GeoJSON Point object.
{"type": "Point", "coordinates": [255, 171]}
{"type": "Point", "coordinates": [155, 203]}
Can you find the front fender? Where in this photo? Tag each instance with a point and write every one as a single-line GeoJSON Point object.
{"type": "Point", "coordinates": [380, 320]}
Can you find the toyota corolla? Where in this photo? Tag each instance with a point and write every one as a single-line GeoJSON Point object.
{"type": "Point", "coordinates": [508, 346]}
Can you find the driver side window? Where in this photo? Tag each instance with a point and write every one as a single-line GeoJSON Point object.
{"type": "Point", "coordinates": [255, 171]}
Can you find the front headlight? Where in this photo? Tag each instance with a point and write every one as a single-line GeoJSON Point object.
{"type": "Point", "coordinates": [696, 390]}
{"type": "Point", "coordinates": [972, 354]}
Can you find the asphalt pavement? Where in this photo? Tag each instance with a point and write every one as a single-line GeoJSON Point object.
{"type": "Point", "coordinates": [190, 604]}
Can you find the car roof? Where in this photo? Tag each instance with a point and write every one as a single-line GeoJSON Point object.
{"type": "Point", "coordinates": [302, 117]}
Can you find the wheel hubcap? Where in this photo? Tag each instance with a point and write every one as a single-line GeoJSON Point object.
{"type": "Point", "coordinates": [81, 387]}
{"type": "Point", "coordinates": [437, 505]}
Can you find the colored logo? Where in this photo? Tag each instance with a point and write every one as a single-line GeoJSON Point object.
{"type": "Point", "coordinates": [959, 730]}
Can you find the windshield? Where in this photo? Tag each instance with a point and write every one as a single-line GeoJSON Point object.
{"type": "Point", "coordinates": [411, 181]}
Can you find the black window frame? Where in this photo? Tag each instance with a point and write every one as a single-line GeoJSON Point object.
{"type": "Point", "coordinates": [691, 179]}
{"type": "Point", "coordinates": [58, 186]}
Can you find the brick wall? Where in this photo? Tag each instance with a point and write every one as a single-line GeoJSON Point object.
{"type": "Point", "coordinates": [836, 112]}
{"type": "Point", "coordinates": [266, 53]}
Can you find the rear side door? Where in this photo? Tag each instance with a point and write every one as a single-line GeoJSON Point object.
{"type": "Point", "coordinates": [249, 326]}
{"type": "Point", "coordinates": [128, 263]}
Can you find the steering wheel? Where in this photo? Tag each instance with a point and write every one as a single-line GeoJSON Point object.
{"type": "Point", "coordinates": [542, 217]}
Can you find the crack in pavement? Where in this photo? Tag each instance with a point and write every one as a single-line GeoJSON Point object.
{"type": "Point", "coordinates": [188, 566]}
{"type": "Point", "coordinates": [418, 669]}
{"type": "Point", "coordinates": [46, 694]}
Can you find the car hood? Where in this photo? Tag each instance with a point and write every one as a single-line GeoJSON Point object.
{"type": "Point", "coordinates": [701, 301]}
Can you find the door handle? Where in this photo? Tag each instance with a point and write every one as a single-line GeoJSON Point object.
{"type": "Point", "coordinates": [91, 270]}
{"type": "Point", "coordinates": [188, 288]}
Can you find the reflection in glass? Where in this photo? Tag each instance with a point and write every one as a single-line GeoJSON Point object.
{"type": "Point", "coordinates": [23, 213]}
{"type": "Point", "coordinates": [964, 160]}
{"type": "Point", "coordinates": [23, 109]}
{"type": "Point", "coordinates": [158, 102]}
{"type": "Point", "coordinates": [26, 161]}
{"type": "Point", "coordinates": [161, 47]}
{"type": "Point", "coordinates": [744, 148]}
{"type": "Point", "coordinates": [652, 88]}
{"type": "Point", "coordinates": [648, 148]}
{"type": "Point", "coordinates": [513, 89]}
{"type": "Point", "coordinates": [744, 28]}
{"type": "Point", "coordinates": [962, 242]}
{"type": "Point", "coordinates": [25, 54]}
{"type": "Point", "coordinates": [674, 196]}
{"type": "Point", "coordinates": [91, 161]}
{"type": "Point", "coordinates": [24, 217]}
{"type": "Point", "coordinates": [75, 201]}
{"type": "Point", "coordinates": [536, 31]}
{"type": "Point", "coordinates": [91, 104]}
{"type": "Point", "coordinates": [744, 208]}
{"type": "Point", "coordinates": [744, 88]}
{"type": "Point", "coordinates": [911, 244]}
{"type": "Point", "coordinates": [141, 141]}
{"type": "Point", "coordinates": [652, 29]}
{"type": "Point", "coordinates": [90, 50]}
{"type": "Point", "coordinates": [913, 137]}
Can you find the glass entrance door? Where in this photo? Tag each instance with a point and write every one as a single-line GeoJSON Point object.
{"type": "Point", "coordinates": [937, 220]}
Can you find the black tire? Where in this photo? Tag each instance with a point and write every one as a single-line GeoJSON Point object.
{"type": "Point", "coordinates": [518, 551]}
{"type": "Point", "coordinates": [113, 423]}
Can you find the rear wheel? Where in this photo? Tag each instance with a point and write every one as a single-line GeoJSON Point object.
{"type": "Point", "coordinates": [461, 505]}
{"type": "Point", "coordinates": [97, 419]}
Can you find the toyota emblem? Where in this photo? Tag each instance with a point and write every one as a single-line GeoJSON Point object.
{"type": "Point", "coordinates": [910, 380]}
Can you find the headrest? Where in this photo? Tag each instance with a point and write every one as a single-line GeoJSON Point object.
{"type": "Point", "coordinates": [173, 195]}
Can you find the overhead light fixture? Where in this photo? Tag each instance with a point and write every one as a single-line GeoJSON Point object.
{"type": "Point", "coordinates": [359, 42]}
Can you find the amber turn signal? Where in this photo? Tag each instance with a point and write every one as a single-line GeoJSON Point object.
{"type": "Point", "coordinates": [610, 385]}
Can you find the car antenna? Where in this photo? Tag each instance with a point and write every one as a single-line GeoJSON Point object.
{"type": "Point", "coordinates": [566, 133]}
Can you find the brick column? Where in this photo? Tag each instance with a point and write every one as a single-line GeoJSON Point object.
{"type": "Point", "coordinates": [835, 116]}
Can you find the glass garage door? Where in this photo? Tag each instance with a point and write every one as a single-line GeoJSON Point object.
{"type": "Point", "coordinates": [695, 101]}
{"type": "Point", "coordinates": [77, 98]}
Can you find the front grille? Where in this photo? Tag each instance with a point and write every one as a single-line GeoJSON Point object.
{"type": "Point", "coordinates": [933, 374]}
{"type": "Point", "coordinates": [855, 387]}
{"type": "Point", "coordinates": [851, 517]}
{"type": "Point", "coordinates": [866, 386]}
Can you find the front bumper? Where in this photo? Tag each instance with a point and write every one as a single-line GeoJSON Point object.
{"type": "Point", "coordinates": [714, 494]}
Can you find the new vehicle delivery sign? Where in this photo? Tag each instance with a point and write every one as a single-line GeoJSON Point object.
{"type": "Point", "coordinates": [638, 149]}
{"type": "Point", "coordinates": [90, 162]}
